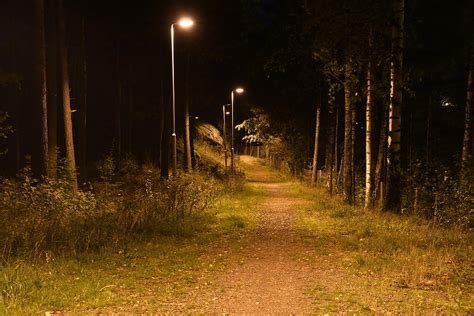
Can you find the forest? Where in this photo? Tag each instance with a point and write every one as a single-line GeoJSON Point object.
{"type": "Point", "coordinates": [165, 130]}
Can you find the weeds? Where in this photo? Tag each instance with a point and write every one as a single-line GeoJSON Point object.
{"type": "Point", "coordinates": [46, 218]}
{"type": "Point", "coordinates": [399, 252]}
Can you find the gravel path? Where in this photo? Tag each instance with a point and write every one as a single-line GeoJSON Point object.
{"type": "Point", "coordinates": [269, 275]}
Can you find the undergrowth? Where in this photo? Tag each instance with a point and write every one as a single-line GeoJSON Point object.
{"type": "Point", "coordinates": [126, 202]}
{"type": "Point", "coordinates": [403, 252]}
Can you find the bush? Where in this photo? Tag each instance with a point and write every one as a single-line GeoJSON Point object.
{"type": "Point", "coordinates": [440, 193]}
{"type": "Point", "coordinates": [44, 218]}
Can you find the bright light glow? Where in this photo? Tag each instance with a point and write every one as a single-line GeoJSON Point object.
{"type": "Point", "coordinates": [239, 90]}
{"type": "Point", "coordinates": [196, 118]}
{"type": "Point", "coordinates": [185, 23]}
{"type": "Point", "coordinates": [227, 113]}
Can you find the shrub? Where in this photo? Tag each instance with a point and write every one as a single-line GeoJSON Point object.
{"type": "Point", "coordinates": [440, 193]}
{"type": "Point", "coordinates": [42, 216]}
{"type": "Point", "coordinates": [47, 217]}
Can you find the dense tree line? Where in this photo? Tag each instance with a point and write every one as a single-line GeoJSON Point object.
{"type": "Point", "coordinates": [368, 94]}
{"type": "Point", "coordinates": [388, 88]}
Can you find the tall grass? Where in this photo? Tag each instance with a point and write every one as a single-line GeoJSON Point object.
{"type": "Point", "coordinates": [405, 252]}
{"type": "Point", "coordinates": [124, 203]}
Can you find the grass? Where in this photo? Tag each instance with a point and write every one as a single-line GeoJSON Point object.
{"type": "Point", "coordinates": [146, 274]}
{"type": "Point", "coordinates": [395, 263]}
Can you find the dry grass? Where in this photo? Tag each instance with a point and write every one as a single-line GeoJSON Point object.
{"type": "Point", "coordinates": [395, 263]}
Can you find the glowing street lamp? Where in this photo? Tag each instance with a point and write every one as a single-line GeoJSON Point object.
{"type": "Point", "coordinates": [232, 149]}
{"type": "Point", "coordinates": [184, 23]}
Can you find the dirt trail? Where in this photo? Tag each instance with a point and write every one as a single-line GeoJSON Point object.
{"type": "Point", "coordinates": [269, 275]}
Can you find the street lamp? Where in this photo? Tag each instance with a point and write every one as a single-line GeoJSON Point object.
{"type": "Point", "coordinates": [224, 113]}
{"type": "Point", "coordinates": [232, 149]}
{"type": "Point", "coordinates": [184, 23]}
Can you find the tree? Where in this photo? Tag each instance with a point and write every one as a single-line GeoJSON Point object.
{"type": "Point", "coordinates": [467, 140]}
{"type": "Point", "coordinates": [368, 138]}
{"type": "Point", "coordinates": [393, 195]}
{"type": "Point", "coordinates": [5, 129]}
{"type": "Point", "coordinates": [68, 131]}
{"type": "Point", "coordinates": [347, 168]}
{"type": "Point", "coordinates": [314, 171]}
{"type": "Point", "coordinates": [52, 60]}
{"type": "Point", "coordinates": [187, 130]}
{"type": "Point", "coordinates": [331, 151]}
{"type": "Point", "coordinates": [118, 108]}
{"type": "Point", "coordinates": [82, 113]}
{"type": "Point", "coordinates": [40, 154]}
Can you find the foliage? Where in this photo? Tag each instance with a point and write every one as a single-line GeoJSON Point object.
{"type": "Point", "coordinates": [256, 127]}
{"type": "Point", "coordinates": [437, 192]}
{"type": "Point", "coordinates": [126, 202]}
{"type": "Point", "coordinates": [43, 216]}
{"type": "Point", "coordinates": [5, 128]}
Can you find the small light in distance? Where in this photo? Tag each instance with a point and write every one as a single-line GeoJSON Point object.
{"type": "Point", "coordinates": [227, 113]}
{"type": "Point", "coordinates": [185, 23]}
{"type": "Point", "coordinates": [239, 90]}
{"type": "Point", "coordinates": [196, 118]}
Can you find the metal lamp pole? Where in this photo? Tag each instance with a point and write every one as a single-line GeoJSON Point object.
{"type": "Point", "coordinates": [173, 135]}
{"type": "Point", "coordinates": [232, 150]}
{"type": "Point", "coordinates": [183, 23]}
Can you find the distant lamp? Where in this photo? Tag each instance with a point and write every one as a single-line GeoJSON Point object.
{"type": "Point", "coordinates": [227, 113]}
{"type": "Point", "coordinates": [196, 118]}
{"type": "Point", "coordinates": [239, 90]}
{"type": "Point", "coordinates": [185, 23]}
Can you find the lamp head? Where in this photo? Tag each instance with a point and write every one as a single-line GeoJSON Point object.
{"type": "Point", "coordinates": [185, 23]}
{"type": "Point", "coordinates": [239, 90]}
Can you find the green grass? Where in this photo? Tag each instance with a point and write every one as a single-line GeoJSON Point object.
{"type": "Point", "coordinates": [412, 263]}
{"type": "Point", "coordinates": [147, 273]}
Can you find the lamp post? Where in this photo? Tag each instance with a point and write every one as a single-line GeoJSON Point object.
{"type": "Point", "coordinates": [184, 23]}
{"type": "Point", "coordinates": [224, 113]}
{"type": "Point", "coordinates": [232, 149]}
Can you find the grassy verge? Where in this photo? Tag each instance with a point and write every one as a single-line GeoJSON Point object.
{"type": "Point", "coordinates": [386, 262]}
{"type": "Point", "coordinates": [144, 276]}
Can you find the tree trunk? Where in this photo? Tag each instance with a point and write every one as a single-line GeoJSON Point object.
{"type": "Point", "coordinates": [129, 135]}
{"type": "Point", "coordinates": [52, 60]}
{"type": "Point", "coordinates": [332, 132]}
{"type": "Point", "coordinates": [68, 132]}
{"type": "Point", "coordinates": [347, 156]}
{"type": "Point", "coordinates": [40, 153]}
{"type": "Point", "coordinates": [379, 177]}
{"type": "Point", "coordinates": [82, 113]}
{"type": "Point", "coordinates": [467, 139]}
{"type": "Point", "coordinates": [187, 131]}
{"type": "Point", "coordinates": [393, 195]}
{"type": "Point", "coordinates": [16, 108]}
{"type": "Point", "coordinates": [165, 143]}
{"type": "Point", "coordinates": [368, 140]}
{"type": "Point", "coordinates": [118, 105]}
{"type": "Point", "coordinates": [429, 123]}
{"type": "Point", "coordinates": [162, 121]}
{"type": "Point", "coordinates": [353, 173]}
{"type": "Point", "coordinates": [314, 171]}
{"type": "Point", "coordinates": [336, 139]}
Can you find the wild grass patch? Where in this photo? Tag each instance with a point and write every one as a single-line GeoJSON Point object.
{"type": "Point", "coordinates": [148, 271]}
{"type": "Point", "coordinates": [404, 252]}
